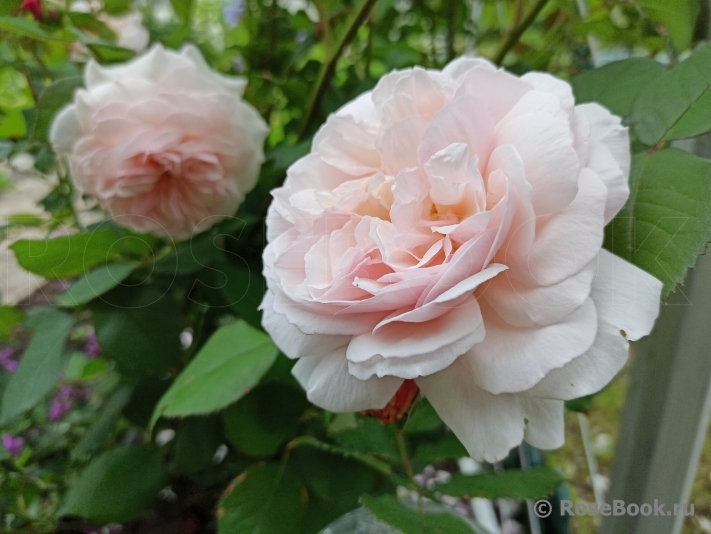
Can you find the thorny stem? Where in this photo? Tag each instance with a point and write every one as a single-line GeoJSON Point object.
{"type": "Point", "coordinates": [517, 32]}
{"type": "Point", "coordinates": [328, 69]}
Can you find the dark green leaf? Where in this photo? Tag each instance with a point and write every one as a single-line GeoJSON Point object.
{"type": "Point", "coordinates": [265, 499]}
{"type": "Point", "coordinates": [448, 447]}
{"type": "Point", "coordinates": [616, 85]}
{"type": "Point", "coordinates": [67, 256]}
{"type": "Point", "coordinates": [244, 290]}
{"type": "Point", "coordinates": [40, 365]}
{"type": "Point", "coordinates": [423, 419]}
{"type": "Point", "coordinates": [678, 104]}
{"type": "Point", "coordinates": [52, 99]}
{"type": "Point", "coordinates": [666, 222]}
{"type": "Point", "coordinates": [226, 368]}
{"type": "Point", "coordinates": [95, 283]}
{"type": "Point", "coordinates": [390, 510]}
{"type": "Point", "coordinates": [117, 486]}
{"type": "Point", "coordinates": [196, 442]}
{"type": "Point", "coordinates": [369, 436]}
{"type": "Point", "coordinates": [105, 425]}
{"type": "Point", "coordinates": [138, 328]}
{"type": "Point", "coordinates": [534, 483]}
{"type": "Point", "coordinates": [262, 421]}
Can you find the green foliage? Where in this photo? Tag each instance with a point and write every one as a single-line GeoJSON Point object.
{"type": "Point", "coordinates": [117, 486]}
{"type": "Point", "coordinates": [666, 222]}
{"type": "Point", "coordinates": [68, 256]}
{"type": "Point", "coordinates": [138, 328]}
{"type": "Point", "coordinates": [677, 18]}
{"type": "Point", "coordinates": [678, 104]}
{"type": "Point", "coordinates": [617, 84]}
{"type": "Point", "coordinates": [95, 283]}
{"type": "Point", "coordinates": [534, 483]}
{"type": "Point", "coordinates": [407, 520]}
{"type": "Point", "coordinates": [9, 318]}
{"type": "Point", "coordinates": [266, 498]}
{"type": "Point", "coordinates": [40, 366]}
{"type": "Point", "coordinates": [226, 368]}
{"type": "Point", "coordinates": [262, 421]}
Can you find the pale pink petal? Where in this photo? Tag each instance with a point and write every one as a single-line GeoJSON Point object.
{"type": "Point", "coordinates": [438, 342]}
{"type": "Point", "coordinates": [328, 384]}
{"type": "Point", "coordinates": [488, 425]}
{"type": "Point", "coordinates": [626, 296]}
{"type": "Point", "coordinates": [590, 372]}
{"type": "Point", "coordinates": [608, 154]}
{"type": "Point", "coordinates": [513, 359]}
{"type": "Point", "coordinates": [545, 422]}
{"type": "Point", "coordinates": [567, 242]}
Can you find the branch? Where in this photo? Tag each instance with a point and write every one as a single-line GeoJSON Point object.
{"type": "Point", "coordinates": [328, 68]}
{"type": "Point", "coordinates": [517, 32]}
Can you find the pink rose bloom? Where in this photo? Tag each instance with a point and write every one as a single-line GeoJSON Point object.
{"type": "Point", "coordinates": [447, 228]}
{"type": "Point", "coordinates": [163, 143]}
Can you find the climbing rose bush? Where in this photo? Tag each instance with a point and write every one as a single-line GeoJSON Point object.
{"type": "Point", "coordinates": [165, 144]}
{"type": "Point", "coordinates": [446, 229]}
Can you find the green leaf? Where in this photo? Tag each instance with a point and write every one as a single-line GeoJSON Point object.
{"type": "Point", "coordinates": [139, 329]}
{"type": "Point", "coordinates": [324, 475]}
{"type": "Point", "coordinates": [196, 442]}
{"type": "Point", "coordinates": [534, 483]}
{"type": "Point", "coordinates": [183, 9]}
{"type": "Point", "coordinates": [52, 99]}
{"type": "Point", "coordinates": [117, 7]}
{"type": "Point", "coordinates": [678, 17]}
{"type": "Point", "coordinates": [666, 221]}
{"type": "Point", "coordinates": [265, 499]}
{"type": "Point", "coordinates": [40, 366]}
{"type": "Point", "coordinates": [392, 511]}
{"type": "Point", "coordinates": [369, 436]}
{"type": "Point", "coordinates": [263, 420]}
{"type": "Point", "coordinates": [448, 447]}
{"type": "Point", "coordinates": [117, 486]}
{"type": "Point", "coordinates": [678, 104]}
{"type": "Point", "coordinates": [107, 52]}
{"type": "Point", "coordinates": [616, 85]}
{"type": "Point", "coordinates": [244, 290]}
{"type": "Point", "coordinates": [105, 425]}
{"type": "Point", "coordinates": [25, 28]}
{"type": "Point", "coordinates": [10, 317]}
{"type": "Point", "coordinates": [581, 404]}
{"type": "Point", "coordinates": [226, 368]}
{"type": "Point", "coordinates": [96, 282]}
{"type": "Point", "coordinates": [424, 419]}
{"type": "Point", "coordinates": [13, 125]}
{"type": "Point", "coordinates": [66, 256]}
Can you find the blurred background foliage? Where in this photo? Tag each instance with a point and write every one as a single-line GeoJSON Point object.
{"type": "Point", "coordinates": [90, 437]}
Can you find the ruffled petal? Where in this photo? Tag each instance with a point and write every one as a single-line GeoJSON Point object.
{"type": "Point", "coordinates": [328, 384]}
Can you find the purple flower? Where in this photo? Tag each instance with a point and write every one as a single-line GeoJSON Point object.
{"type": "Point", "coordinates": [59, 408]}
{"type": "Point", "coordinates": [7, 360]}
{"type": "Point", "coordinates": [233, 12]}
{"type": "Point", "coordinates": [13, 444]}
{"type": "Point", "coordinates": [92, 348]}
{"type": "Point", "coordinates": [63, 401]}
